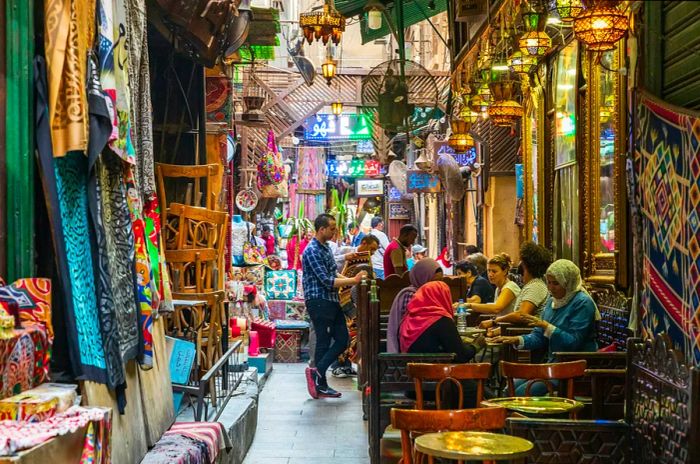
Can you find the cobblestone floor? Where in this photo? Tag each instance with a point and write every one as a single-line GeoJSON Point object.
{"type": "Point", "coordinates": [295, 429]}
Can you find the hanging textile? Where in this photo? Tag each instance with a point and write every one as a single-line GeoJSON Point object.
{"type": "Point", "coordinates": [68, 37]}
{"type": "Point", "coordinates": [140, 85]}
{"type": "Point", "coordinates": [311, 171]}
{"type": "Point", "coordinates": [33, 299]}
{"type": "Point", "coordinates": [667, 171]}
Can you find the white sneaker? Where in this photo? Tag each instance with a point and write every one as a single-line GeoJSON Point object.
{"type": "Point", "coordinates": [339, 372]}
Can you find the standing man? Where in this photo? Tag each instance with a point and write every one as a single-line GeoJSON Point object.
{"type": "Point", "coordinates": [395, 253]}
{"type": "Point", "coordinates": [321, 282]}
{"type": "Point", "coordinates": [378, 257]}
{"type": "Point", "coordinates": [356, 234]}
{"type": "Point", "coordinates": [269, 240]}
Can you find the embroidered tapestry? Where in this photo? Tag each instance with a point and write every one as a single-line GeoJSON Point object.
{"type": "Point", "coordinates": [667, 171]}
{"type": "Point", "coordinates": [280, 285]}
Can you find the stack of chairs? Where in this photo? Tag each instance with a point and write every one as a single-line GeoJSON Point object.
{"type": "Point", "coordinates": [195, 239]}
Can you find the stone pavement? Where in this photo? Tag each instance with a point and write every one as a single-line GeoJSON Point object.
{"type": "Point", "coordinates": [295, 429]}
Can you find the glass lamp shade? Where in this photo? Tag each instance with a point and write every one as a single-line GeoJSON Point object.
{"type": "Point", "coordinates": [337, 108]}
{"type": "Point", "coordinates": [328, 69]}
{"type": "Point", "coordinates": [323, 25]}
{"type": "Point", "coordinates": [374, 19]}
{"type": "Point", "coordinates": [505, 112]}
{"type": "Point", "coordinates": [478, 105]}
{"type": "Point", "coordinates": [484, 92]}
{"type": "Point", "coordinates": [601, 27]}
{"type": "Point", "coordinates": [535, 43]}
{"type": "Point", "coordinates": [460, 140]}
{"type": "Point", "coordinates": [468, 114]}
{"type": "Point", "coordinates": [567, 10]}
{"type": "Point", "coordinates": [521, 63]}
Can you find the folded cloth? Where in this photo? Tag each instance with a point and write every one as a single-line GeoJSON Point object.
{"type": "Point", "coordinates": [178, 449]}
{"type": "Point", "coordinates": [18, 435]}
{"type": "Point", "coordinates": [212, 434]}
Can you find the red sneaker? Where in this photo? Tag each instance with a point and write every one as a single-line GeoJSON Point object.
{"type": "Point", "coordinates": [311, 381]}
{"type": "Point", "coordinates": [324, 391]}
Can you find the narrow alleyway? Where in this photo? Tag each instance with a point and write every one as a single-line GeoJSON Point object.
{"type": "Point", "coordinates": [295, 429]}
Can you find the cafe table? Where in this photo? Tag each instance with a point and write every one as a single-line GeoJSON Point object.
{"type": "Point", "coordinates": [535, 405]}
{"type": "Point", "coordinates": [475, 446]}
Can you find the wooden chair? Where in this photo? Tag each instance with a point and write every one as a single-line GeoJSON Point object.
{"type": "Point", "coordinates": [450, 374]}
{"type": "Point", "coordinates": [662, 416]}
{"type": "Point", "coordinates": [192, 176]}
{"type": "Point", "coordinates": [413, 422]}
{"type": "Point", "coordinates": [545, 373]}
{"type": "Point", "coordinates": [615, 308]}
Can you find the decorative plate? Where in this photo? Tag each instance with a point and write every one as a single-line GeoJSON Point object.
{"type": "Point", "coordinates": [246, 200]}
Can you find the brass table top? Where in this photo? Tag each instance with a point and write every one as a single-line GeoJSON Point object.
{"type": "Point", "coordinates": [539, 405]}
{"type": "Point", "coordinates": [473, 445]}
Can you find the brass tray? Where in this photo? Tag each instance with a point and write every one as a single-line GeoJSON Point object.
{"type": "Point", "coordinates": [539, 405]}
{"type": "Point", "coordinates": [472, 331]}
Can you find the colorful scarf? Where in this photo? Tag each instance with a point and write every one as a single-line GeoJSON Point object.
{"type": "Point", "coordinates": [431, 302]}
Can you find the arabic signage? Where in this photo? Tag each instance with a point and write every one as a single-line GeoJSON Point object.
{"type": "Point", "coordinates": [369, 188]}
{"type": "Point", "coordinates": [399, 211]}
{"type": "Point", "coordinates": [324, 127]}
{"type": "Point", "coordinates": [422, 182]}
{"type": "Point", "coordinates": [467, 158]}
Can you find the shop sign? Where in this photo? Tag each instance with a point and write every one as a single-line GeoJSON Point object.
{"type": "Point", "coordinates": [324, 127]}
{"type": "Point", "coordinates": [353, 168]}
{"type": "Point", "coordinates": [399, 211]}
{"type": "Point", "coordinates": [369, 188]}
{"type": "Point", "coordinates": [467, 158]}
{"type": "Point", "coordinates": [394, 194]}
{"type": "Point", "coordinates": [422, 182]}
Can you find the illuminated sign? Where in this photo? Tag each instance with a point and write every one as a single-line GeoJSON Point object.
{"type": "Point", "coordinates": [323, 127]}
{"type": "Point", "coordinates": [467, 158]}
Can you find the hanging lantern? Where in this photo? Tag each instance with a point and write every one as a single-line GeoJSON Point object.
{"type": "Point", "coordinates": [601, 26]}
{"type": "Point", "coordinates": [337, 108]}
{"type": "Point", "coordinates": [328, 69]}
{"type": "Point", "coordinates": [324, 25]}
{"type": "Point", "coordinates": [535, 41]}
{"type": "Point", "coordinates": [467, 113]}
{"type": "Point", "coordinates": [505, 112]}
{"type": "Point", "coordinates": [374, 9]}
{"type": "Point", "coordinates": [520, 63]}
{"type": "Point", "coordinates": [567, 10]}
{"type": "Point", "coordinates": [478, 104]}
{"type": "Point", "coordinates": [460, 140]}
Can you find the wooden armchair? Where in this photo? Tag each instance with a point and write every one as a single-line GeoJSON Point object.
{"type": "Point", "coordinates": [448, 374]}
{"type": "Point", "coordinates": [413, 422]}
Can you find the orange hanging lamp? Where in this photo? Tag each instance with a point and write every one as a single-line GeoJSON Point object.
{"type": "Point", "coordinates": [601, 25]}
{"type": "Point", "coordinates": [323, 25]}
{"type": "Point", "coordinates": [535, 41]}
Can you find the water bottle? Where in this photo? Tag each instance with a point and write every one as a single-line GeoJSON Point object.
{"type": "Point", "coordinates": [461, 316]}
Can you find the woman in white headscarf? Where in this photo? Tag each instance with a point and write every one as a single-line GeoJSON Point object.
{"type": "Point", "coordinates": [568, 319]}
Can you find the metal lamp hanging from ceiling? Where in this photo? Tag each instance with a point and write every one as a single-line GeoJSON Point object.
{"type": "Point", "coordinates": [520, 63]}
{"type": "Point", "coordinates": [504, 110]}
{"type": "Point", "coordinates": [323, 25]}
{"type": "Point", "coordinates": [601, 25]}
{"type": "Point", "coordinates": [535, 41]}
{"type": "Point", "coordinates": [567, 10]}
{"type": "Point", "coordinates": [460, 140]}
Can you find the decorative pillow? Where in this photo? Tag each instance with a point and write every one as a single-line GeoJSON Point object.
{"type": "Point", "coordinates": [281, 285]}
{"type": "Point", "coordinates": [33, 298]}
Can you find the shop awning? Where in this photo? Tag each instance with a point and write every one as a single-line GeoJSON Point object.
{"type": "Point", "coordinates": [414, 11]}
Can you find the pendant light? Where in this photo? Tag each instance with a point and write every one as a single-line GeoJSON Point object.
{"type": "Point", "coordinates": [328, 68]}
{"type": "Point", "coordinates": [601, 25]}
{"type": "Point", "coordinates": [535, 41]}
{"type": "Point", "coordinates": [323, 25]}
{"type": "Point", "coordinates": [567, 10]}
{"type": "Point", "coordinates": [374, 9]}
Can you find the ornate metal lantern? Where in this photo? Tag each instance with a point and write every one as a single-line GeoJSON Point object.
{"type": "Point", "coordinates": [337, 108]}
{"type": "Point", "coordinates": [328, 69]}
{"type": "Point", "coordinates": [567, 10]}
{"type": "Point", "coordinates": [460, 140]}
{"type": "Point", "coordinates": [601, 25]}
{"type": "Point", "coordinates": [504, 110]}
{"type": "Point", "coordinates": [520, 63]}
{"type": "Point", "coordinates": [534, 42]}
{"type": "Point", "coordinates": [324, 25]}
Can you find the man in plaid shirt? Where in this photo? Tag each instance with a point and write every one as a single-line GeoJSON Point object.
{"type": "Point", "coordinates": [321, 282]}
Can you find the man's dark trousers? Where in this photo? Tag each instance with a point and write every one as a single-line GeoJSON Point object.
{"type": "Point", "coordinates": [329, 324]}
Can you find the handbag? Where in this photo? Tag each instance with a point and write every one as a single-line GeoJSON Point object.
{"type": "Point", "coordinates": [272, 176]}
{"type": "Point", "coordinates": [253, 254]}
{"type": "Point", "coordinates": [281, 285]}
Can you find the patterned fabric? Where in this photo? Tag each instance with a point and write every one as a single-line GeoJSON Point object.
{"type": "Point", "coordinates": [277, 309]}
{"type": "Point", "coordinates": [272, 177]}
{"type": "Point", "coordinates": [33, 298]}
{"type": "Point", "coordinates": [16, 435]}
{"type": "Point", "coordinates": [25, 360]}
{"type": "Point", "coordinates": [178, 449]}
{"type": "Point", "coordinates": [320, 270]}
{"type": "Point", "coordinates": [667, 171]}
{"type": "Point", "coordinates": [311, 171]}
{"type": "Point", "coordinates": [68, 37]}
{"type": "Point", "coordinates": [71, 183]}
{"type": "Point", "coordinates": [218, 99]}
{"type": "Point", "coordinates": [281, 285]}
{"type": "Point", "coordinates": [212, 434]}
{"type": "Point", "coordinates": [120, 249]}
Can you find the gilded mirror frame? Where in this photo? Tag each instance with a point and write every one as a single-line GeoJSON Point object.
{"type": "Point", "coordinates": [535, 108]}
{"type": "Point", "coordinates": [599, 266]}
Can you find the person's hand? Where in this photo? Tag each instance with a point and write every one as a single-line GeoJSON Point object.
{"type": "Point", "coordinates": [505, 340]}
{"type": "Point", "coordinates": [494, 332]}
{"type": "Point", "coordinates": [533, 321]}
{"type": "Point", "coordinates": [359, 276]}
{"type": "Point", "coordinates": [455, 306]}
{"type": "Point", "coordinates": [486, 324]}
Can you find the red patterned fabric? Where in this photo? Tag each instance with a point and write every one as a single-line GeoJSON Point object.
{"type": "Point", "coordinates": [267, 332]}
{"type": "Point", "coordinates": [33, 297]}
{"type": "Point", "coordinates": [25, 359]}
{"type": "Point", "coordinates": [210, 433]}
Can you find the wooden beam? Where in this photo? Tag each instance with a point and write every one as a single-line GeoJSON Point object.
{"type": "Point", "coordinates": [300, 121]}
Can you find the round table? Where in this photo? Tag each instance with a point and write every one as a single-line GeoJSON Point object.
{"type": "Point", "coordinates": [473, 446]}
{"type": "Point", "coordinates": [535, 405]}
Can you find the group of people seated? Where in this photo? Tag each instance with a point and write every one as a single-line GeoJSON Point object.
{"type": "Point", "coordinates": [552, 301]}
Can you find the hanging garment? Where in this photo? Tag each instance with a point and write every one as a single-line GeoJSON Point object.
{"type": "Point", "coordinates": [68, 37]}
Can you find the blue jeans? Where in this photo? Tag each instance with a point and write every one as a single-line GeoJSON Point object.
{"type": "Point", "coordinates": [329, 324]}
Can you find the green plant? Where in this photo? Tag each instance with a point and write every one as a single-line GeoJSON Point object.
{"type": "Point", "coordinates": [300, 225]}
{"type": "Point", "coordinates": [339, 209]}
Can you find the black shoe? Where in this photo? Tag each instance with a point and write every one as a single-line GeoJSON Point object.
{"type": "Point", "coordinates": [324, 391]}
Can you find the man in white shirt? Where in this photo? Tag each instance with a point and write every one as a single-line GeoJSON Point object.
{"type": "Point", "coordinates": [378, 257]}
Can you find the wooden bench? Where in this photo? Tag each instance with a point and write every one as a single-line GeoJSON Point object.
{"type": "Point", "coordinates": [662, 417]}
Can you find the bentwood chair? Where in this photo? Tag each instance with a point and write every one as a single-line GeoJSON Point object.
{"type": "Point", "coordinates": [450, 375]}
{"type": "Point", "coordinates": [192, 178]}
{"type": "Point", "coordinates": [413, 422]}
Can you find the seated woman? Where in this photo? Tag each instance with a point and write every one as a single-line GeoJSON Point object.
{"type": "Point", "coordinates": [480, 290]}
{"type": "Point", "coordinates": [534, 261]}
{"type": "Point", "coordinates": [506, 290]}
{"type": "Point", "coordinates": [568, 319]}
{"type": "Point", "coordinates": [429, 327]}
{"type": "Point", "coordinates": [424, 271]}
